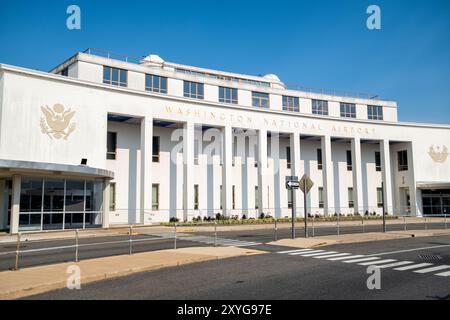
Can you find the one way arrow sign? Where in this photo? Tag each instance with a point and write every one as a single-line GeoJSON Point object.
{"type": "Point", "coordinates": [291, 184]}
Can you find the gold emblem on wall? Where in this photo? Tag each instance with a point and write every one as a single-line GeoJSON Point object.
{"type": "Point", "coordinates": [56, 121]}
{"type": "Point", "coordinates": [438, 154]}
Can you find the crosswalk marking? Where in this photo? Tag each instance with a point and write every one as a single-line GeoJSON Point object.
{"type": "Point", "coordinates": [443, 274]}
{"type": "Point", "coordinates": [414, 266]}
{"type": "Point", "coordinates": [219, 241]}
{"type": "Point", "coordinates": [432, 269]}
{"type": "Point", "coordinates": [317, 254]}
{"type": "Point", "coordinates": [395, 264]}
{"type": "Point", "coordinates": [333, 255]}
{"type": "Point", "coordinates": [301, 253]}
{"type": "Point", "coordinates": [376, 263]}
{"type": "Point", "coordinates": [343, 258]}
{"type": "Point", "coordinates": [361, 259]}
{"type": "Point", "coordinates": [297, 250]}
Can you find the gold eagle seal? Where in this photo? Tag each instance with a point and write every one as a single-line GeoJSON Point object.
{"type": "Point", "coordinates": [438, 154]}
{"type": "Point", "coordinates": [56, 122]}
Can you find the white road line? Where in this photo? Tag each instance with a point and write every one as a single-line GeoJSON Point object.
{"type": "Point", "coordinates": [333, 255]}
{"type": "Point", "coordinates": [443, 274]}
{"type": "Point", "coordinates": [414, 266]}
{"type": "Point", "coordinates": [409, 250]}
{"type": "Point", "coordinates": [361, 259]}
{"type": "Point", "coordinates": [395, 264]}
{"type": "Point", "coordinates": [437, 268]}
{"type": "Point", "coordinates": [342, 258]}
{"type": "Point", "coordinates": [376, 263]}
{"type": "Point", "coordinates": [301, 253]}
{"type": "Point", "coordinates": [297, 250]}
{"type": "Point", "coordinates": [317, 254]}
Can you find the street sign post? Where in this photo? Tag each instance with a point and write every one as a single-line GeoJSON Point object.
{"type": "Point", "coordinates": [292, 184]}
{"type": "Point", "coordinates": [305, 185]}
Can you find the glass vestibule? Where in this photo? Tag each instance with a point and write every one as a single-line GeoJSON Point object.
{"type": "Point", "coordinates": [436, 202]}
{"type": "Point", "coordinates": [57, 204]}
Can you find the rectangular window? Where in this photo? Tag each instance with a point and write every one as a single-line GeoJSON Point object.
{"type": "Point", "coordinates": [155, 149]}
{"type": "Point", "coordinates": [112, 196]}
{"type": "Point", "coordinates": [115, 76]}
{"type": "Point", "coordinates": [290, 201]}
{"type": "Point", "coordinates": [155, 83]}
{"type": "Point", "coordinates": [380, 197]}
{"type": "Point", "coordinates": [155, 196]}
{"type": "Point", "coordinates": [402, 160]}
{"type": "Point", "coordinates": [256, 198]}
{"type": "Point", "coordinates": [348, 110]}
{"type": "Point", "coordinates": [377, 161]}
{"type": "Point", "coordinates": [375, 113]}
{"type": "Point", "coordinates": [228, 95]}
{"type": "Point", "coordinates": [111, 145]}
{"type": "Point", "coordinates": [196, 197]}
{"type": "Point", "coordinates": [233, 197]}
{"type": "Point", "coordinates": [291, 104]}
{"type": "Point", "coordinates": [349, 160]}
{"type": "Point", "coordinates": [320, 197]}
{"type": "Point", "coordinates": [351, 201]}
{"type": "Point", "coordinates": [260, 100]}
{"type": "Point", "coordinates": [288, 157]}
{"type": "Point", "coordinates": [320, 107]}
{"type": "Point", "coordinates": [319, 159]}
{"type": "Point", "coordinates": [193, 90]}
{"type": "Point", "coordinates": [65, 72]}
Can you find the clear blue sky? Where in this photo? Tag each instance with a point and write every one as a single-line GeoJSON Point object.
{"type": "Point", "coordinates": [308, 43]}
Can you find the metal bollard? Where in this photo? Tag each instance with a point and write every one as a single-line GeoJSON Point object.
{"type": "Point", "coordinates": [215, 233]}
{"type": "Point", "coordinates": [404, 222]}
{"type": "Point", "coordinates": [276, 230]}
{"type": "Point", "coordinates": [175, 237]}
{"type": "Point", "coordinates": [16, 267]}
{"type": "Point", "coordinates": [313, 230]}
{"type": "Point", "coordinates": [76, 245]}
{"type": "Point", "coordinates": [445, 221]}
{"type": "Point", "coordinates": [362, 222]}
{"type": "Point", "coordinates": [338, 231]}
{"type": "Point", "coordinates": [130, 240]}
{"type": "Point", "coordinates": [426, 226]}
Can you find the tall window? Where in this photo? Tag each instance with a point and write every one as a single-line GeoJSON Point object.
{"type": "Point", "coordinates": [112, 196]}
{"type": "Point", "coordinates": [221, 198]}
{"type": "Point", "coordinates": [351, 200]}
{"type": "Point", "coordinates": [319, 159]}
{"type": "Point", "coordinates": [377, 161]}
{"type": "Point", "coordinates": [320, 107]}
{"type": "Point", "coordinates": [375, 113]}
{"type": "Point", "coordinates": [65, 72]}
{"type": "Point", "coordinates": [291, 104]}
{"type": "Point", "coordinates": [155, 149]}
{"type": "Point", "coordinates": [288, 157]}
{"type": "Point", "coordinates": [260, 100]}
{"type": "Point", "coordinates": [402, 160]}
{"type": "Point", "coordinates": [155, 196]}
{"type": "Point", "coordinates": [380, 197]}
{"type": "Point", "coordinates": [111, 145]}
{"type": "Point", "coordinates": [348, 110]}
{"type": "Point", "coordinates": [233, 197]}
{"type": "Point", "coordinates": [115, 76]}
{"type": "Point", "coordinates": [290, 201]}
{"type": "Point", "coordinates": [155, 83]}
{"type": "Point", "coordinates": [196, 197]}
{"type": "Point", "coordinates": [256, 197]}
{"type": "Point", "coordinates": [193, 90]}
{"type": "Point", "coordinates": [228, 95]}
{"type": "Point", "coordinates": [349, 160]}
{"type": "Point", "coordinates": [320, 197]}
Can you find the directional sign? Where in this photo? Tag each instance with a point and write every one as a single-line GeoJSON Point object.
{"type": "Point", "coordinates": [291, 184]}
{"type": "Point", "coordinates": [306, 184]}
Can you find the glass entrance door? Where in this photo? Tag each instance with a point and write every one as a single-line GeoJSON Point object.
{"type": "Point", "coordinates": [436, 202]}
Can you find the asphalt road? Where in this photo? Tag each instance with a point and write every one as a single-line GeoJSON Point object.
{"type": "Point", "coordinates": [63, 250]}
{"type": "Point", "coordinates": [283, 276]}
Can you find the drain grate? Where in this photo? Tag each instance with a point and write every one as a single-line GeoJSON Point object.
{"type": "Point", "coordinates": [429, 257]}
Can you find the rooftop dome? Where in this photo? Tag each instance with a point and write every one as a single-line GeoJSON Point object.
{"type": "Point", "coordinates": [272, 76]}
{"type": "Point", "coordinates": [152, 60]}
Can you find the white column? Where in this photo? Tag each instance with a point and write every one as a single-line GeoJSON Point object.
{"type": "Point", "coordinates": [295, 169]}
{"type": "Point", "coordinates": [386, 175]}
{"type": "Point", "coordinates": [3, 210]}
{"type": "Point", "coordinates": [15, 205]}
{"type": "Point", "coordinates": [106, 196]}
{"type": "Point", "coordinates": [146, 168]}
{"type": "Point", "coordinates": [413, 199]}
{"type": "Point", "coordinates": [227, 153]}
{"type": "Point", "coordinates": [357, 175]}
{"type": "Point", "coordinates": [262, 170]}
{"type": "Point", "coordinates": [328, 178]}
{"type": "Point", "coordinates": [188, 168]}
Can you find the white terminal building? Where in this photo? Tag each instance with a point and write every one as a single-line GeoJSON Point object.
{"type": "Point", "coordinates": [104, 139]}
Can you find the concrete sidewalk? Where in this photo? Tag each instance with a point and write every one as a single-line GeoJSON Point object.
{"type": "Point", "coordinates": [357, 237]}
{"type": "Point", "coordinates": [31, 281]}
